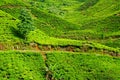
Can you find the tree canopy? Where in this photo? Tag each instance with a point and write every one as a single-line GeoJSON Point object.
{"type": "Point", "coordinates": [26, 24]}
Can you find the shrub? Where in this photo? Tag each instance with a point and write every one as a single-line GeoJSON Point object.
{"type": "Point", "coordinates": [26, 25]}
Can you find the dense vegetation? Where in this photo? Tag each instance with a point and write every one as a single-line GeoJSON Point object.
{"type": "Point", "coordinates": [17, 65]}
{"type": "Point", "coordinates": [25, 26]}
{"type": "Point", "coordinates": [59, 39]}
{"type": "Point", "coordinates": [21, 66]}
{"type": "Point", "coordinates": [68, 66]}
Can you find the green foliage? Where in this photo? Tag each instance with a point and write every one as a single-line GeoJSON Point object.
{"type": "Point", "coordinates": [52, 25]}
{"type": "Point", "coordinates": [15, 2]}
{"type": "Point", "coordinates": [7, 23]}
{"type": "Point", "coordinates": [68, 66]}
{"type": "Point", "coordinates": [44, 39]}
{"type": "Point", "coordinates": [97, 22]}
{"type": "Point", "coordinates": [26, 23]}
{"type": "Point", "coordinates": [16, 11]}
{"type": "Point", "coordinates": [61, 65]}
{"type": "Point", "coordinates": [21, 66]}
{"type": "Point", "coordinates": [87, 4]}
{"type": "Point", "coordinates": [112, 43]}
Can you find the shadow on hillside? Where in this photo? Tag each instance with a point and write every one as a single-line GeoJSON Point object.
{"type": "Point", "coordinates": [16, 32]}
{"type": "Point", "coordinates": [87, 4]}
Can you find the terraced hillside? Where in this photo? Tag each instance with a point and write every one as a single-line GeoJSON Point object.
{"type": "Point", "coordinates": [26, 65]}
{"type": "Point", "coordinates": [72, 40]}
{"type": "Point", "coordinates": [6, 23]}
{"type": "Point", "coordinates": [21, 65]}
{"type": "Point", "coordinates": [97, 19]}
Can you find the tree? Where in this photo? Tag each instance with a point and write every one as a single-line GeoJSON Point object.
{"type": "Point", "coordinates": [26, 25]}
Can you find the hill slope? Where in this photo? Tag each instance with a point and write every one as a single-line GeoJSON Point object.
{"type": "Point", "coordinates": [71, 37]}
{"type": "Point", "coordinates": [17, 65]}
{"type": "Point", "coordinates": [92, 29]}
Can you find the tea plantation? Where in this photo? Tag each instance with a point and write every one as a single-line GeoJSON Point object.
{"type": "Point", "coordinates": [26, 65]}
{"type": "Point", "coordinates": [59, 40]}
{"type": "Point", "coordinates": [21, 66]}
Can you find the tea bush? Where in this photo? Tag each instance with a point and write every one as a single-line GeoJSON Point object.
{"type": "Point", "coordinates": [70, 66]}
{"type": "Point", "coordinates": [21, 65]}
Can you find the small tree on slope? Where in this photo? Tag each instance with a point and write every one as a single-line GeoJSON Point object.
{"type": "Point", "coordinates": [25, 26]}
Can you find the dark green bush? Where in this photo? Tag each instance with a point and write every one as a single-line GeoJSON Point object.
{"type": "Point", "coordinates": [26, 25]}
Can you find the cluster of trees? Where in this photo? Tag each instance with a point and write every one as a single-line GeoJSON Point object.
{"type": "Point", "coordinates": [26, 23]}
